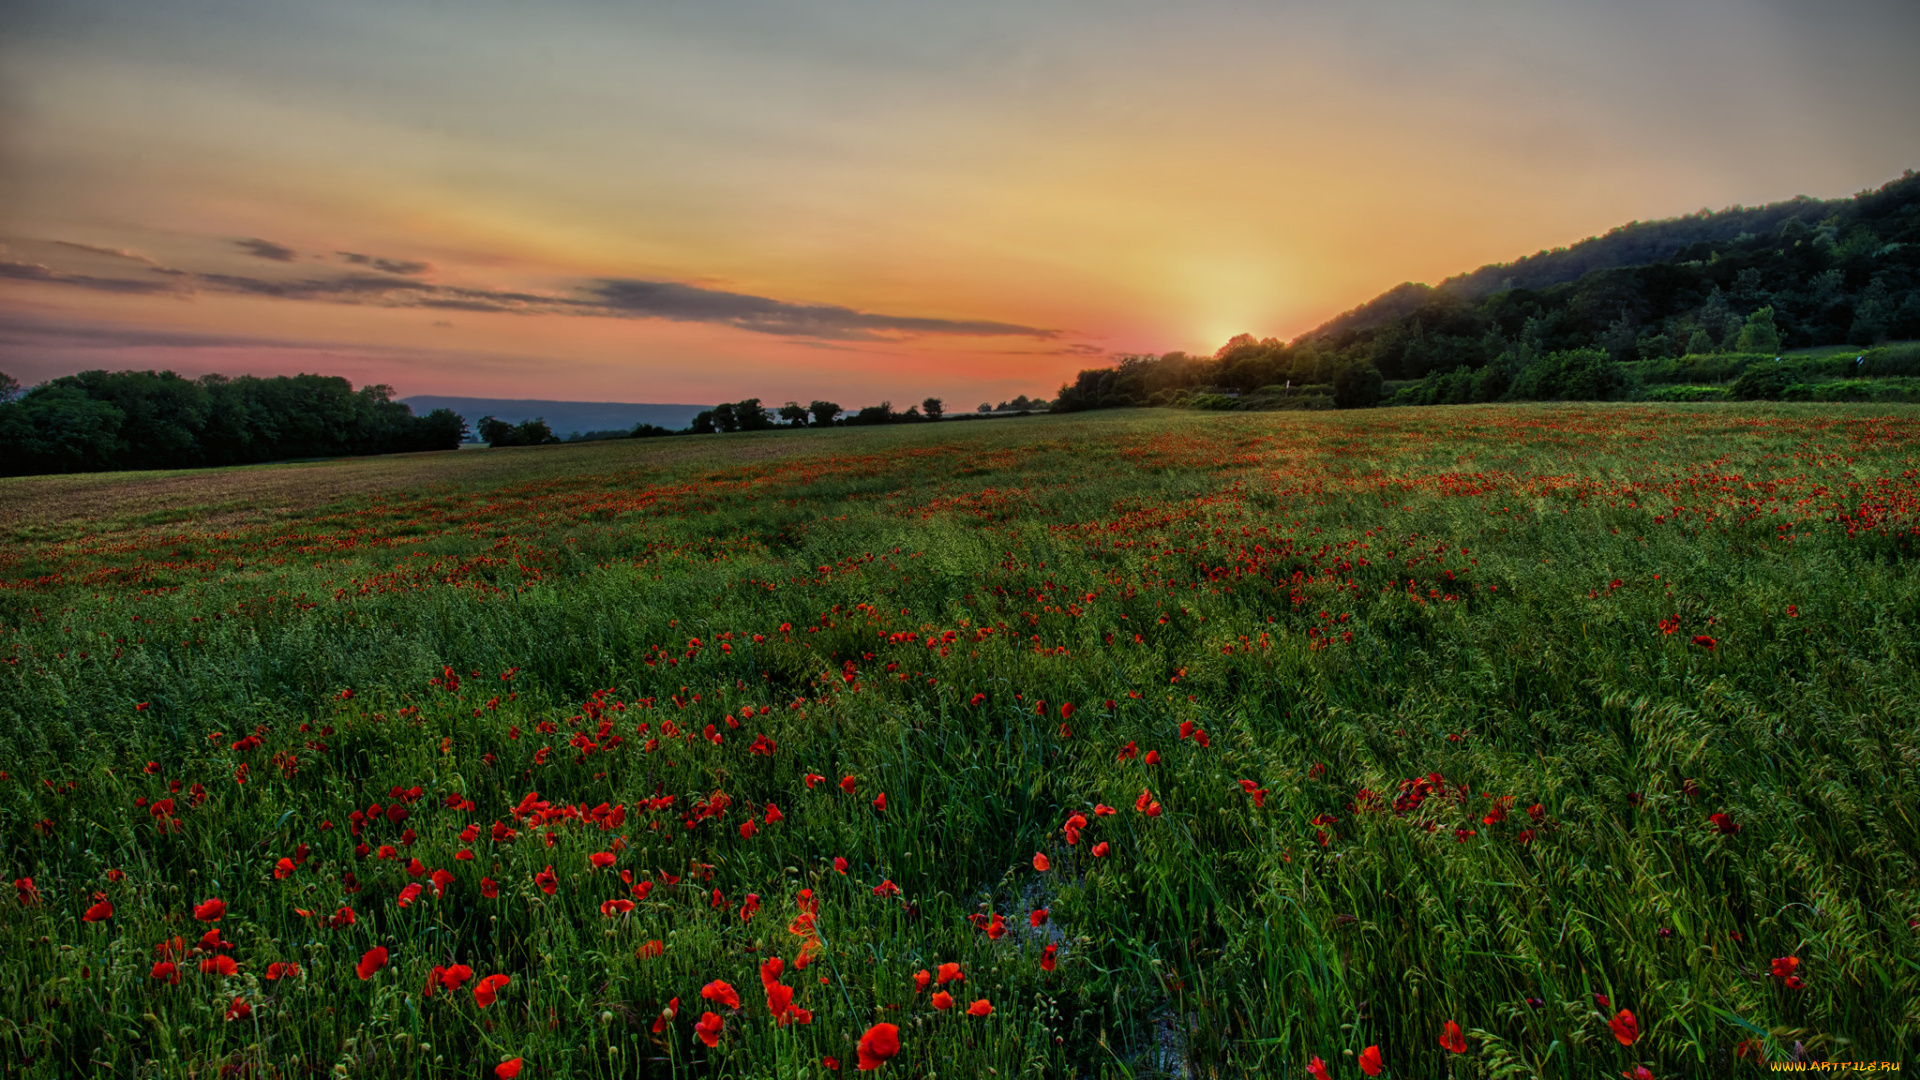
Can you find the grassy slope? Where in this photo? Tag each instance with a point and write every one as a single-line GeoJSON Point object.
{"type": "Point", "coordinates": [1503, 573]}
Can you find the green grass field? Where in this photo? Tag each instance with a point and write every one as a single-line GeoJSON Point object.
{"type": "Point", "coordinates": [1589, 729]}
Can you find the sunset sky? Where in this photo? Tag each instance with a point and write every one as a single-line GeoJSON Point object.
{"type": "Point", "coordinates": [703, 200]}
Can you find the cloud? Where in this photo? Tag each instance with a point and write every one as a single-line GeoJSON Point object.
{"type": "Point", "coordinates": [763, 315]}
{"type": "Point", "coordinates": [352, 288]}
{"type": "Point", "coordinates": [36, 272]}
{"type": "Point", "coordinates": [391, 266]}
{"type": "Point", "coordinates": [114, 252]}
{"type": "Point", "coordinates": [266, 249]}
{"type": "Point", "coordinates": [623, 298]}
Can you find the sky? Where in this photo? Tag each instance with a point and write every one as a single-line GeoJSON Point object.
{"type": "Point", "coordinates": [706, 200]}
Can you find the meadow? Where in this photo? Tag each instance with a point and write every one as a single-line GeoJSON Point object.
{"type": "Point", "coordinates": [1482, 741]}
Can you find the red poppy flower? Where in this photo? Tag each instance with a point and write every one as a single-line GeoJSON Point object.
{"type": "Point", "coordinates": [983, 1007]}
{"type": "Point", "coordinates": [507, 1070]}
{"type": "Point", "coordinates": [239, 1010]}
{"type": "Point", "coordinates": [280, 969]}
{"type": "Point", "coordinates": [166, 971]}
{"type": "Point", "coordinates": [721, 992]}
{"type": "Point", "coordinates": [616, 907]}
{"type": "Point", "coordinates": [415, 868]}
{"type": "Point", "coordinates": [452, 978]}
{"type": "Point", "coordinates": [441, 879]}
{"type": "Point", "coordinates": [220, 965]}
{"type": "Point", "coordinates": [708, 1028]}
{"type": "Point", "coordinates": [546, 881]}
{"type": "Point", "coordinates": [847, 784]}
{"type": "Point", "coordinates": [830, 1063]}
{"type": "Point", "coordinates": [1040, 862]}
{"type": "Point", "coordinates": [1100, 850]}
{"type": "Point", "coordinates": [371, 961]}
{"type": "Point", "coordinates": [942, 1000]}
{"type": "Point", "coordinates": [1129, 751]}
{"type": "Point", "coordinates": [666, 1016]}
{"type": "Point", "coordinates": [210, 910]}
{"type": "Point", "coordinates": [408, 895]}
{"type": "Point", "coordinates": [1723, 824]}
{"type": "Point", "coordinates": [814, 778]}
{"type": "Point", "coordinates": [1103, 810]}
{"type": "Point", "coordinates": [997, 928]}
{"type": "Point", "coordinates": [880, 802]}
{"type": "Point", "coordinates": [1317, 1069]}
{"type": "Point", "coordinates": [1704, 642]}
{"type": "Point", "coordinates": [1038, 917]}
{"type": "Point", "coordinates": [1640, 1072]}
{"type": "Point", "coordinates": [487, 990]}
{"type": "Point", "coordinates": [774, 814]}
{"type": "Point", "coordinates": [98, 912]}
{"type": "Point", "coordinates": [920, 980]}
{"type": "Point", "coordinates": [601, 859]}
{"type": "Point", "coordinates": [1153, 757]}
{"type": "Point", "coordinates": [489, 888]}
{"type": "Point", "coordinates": [747, 829]}
{"type": "Point", "coordinates": [880, 1042]}
{"type": "Point", "coordinates": [950, 973]}
{"type": "Point", "coordinates": [1625, 1027]}
{"type": "Point", "coordinates": [283, 869]}
{"type": "Point", "coordinates": [651, 948]}
{"type": "Point", "coordinates": [1047, 958]}
{"type": "Point", "coordinates": [1370, 1061]}
{"type": "Point", "coordinates": [886, 888]}
{"type": "Point", "coordinates": [1452, 1039]}
{"type": "Point", "coordinates": [840, 864]}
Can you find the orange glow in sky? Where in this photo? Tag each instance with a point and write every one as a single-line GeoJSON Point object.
{"type": "Point", "coordinates": [859, 200]}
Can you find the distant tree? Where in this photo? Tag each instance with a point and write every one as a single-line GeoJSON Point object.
{"type": "Point", "coordinates": [1699, 343]}
{"type": "Point", "coordinates": [648, 431]}
{"type": "Point", "coordinates": [874, 414]}
{"type": "Point", "coordinates": [1357, 386]}
{"type": "Point", "coordinates": [724, 419]}
{"type": "Point", "coordinates": [494, 432]}
{"type": "Point", "coordinates": [702, 423]}
{"type": "Point", "coordinates": [60, 429]}
{"type": "Point", "coordinates": [985, 407]}
{"type": "Point", "coordinates": [498, 433]}
{"type": "Point", "coordinates": [933, 407]}
{"type": "Point", "coordinates": [824, 412]}
{"type": "Point", "coordinates": [441, 429]}
{"type": "Point", "coordinates": [794, 413]}
{"type": "Point", "coordinates": [534, 432]}
{"type": "Point", "coordinates": [748, 415]}
{"type": "Point", "coordinates": [1759, 335]}
{"type": "Point", "coordinates": [9, 387]}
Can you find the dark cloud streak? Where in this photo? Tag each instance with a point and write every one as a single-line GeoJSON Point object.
{"type": "Point", "coordinates": [622, 298]}
{"type": "Point", "coordinates": [763, 315]}
{"type": "Point", "coordinates": [20, 271]}
{"type": "Point", "coordinates": [402, 267]}
{"type": "Point", "coordinates": [266, 249]}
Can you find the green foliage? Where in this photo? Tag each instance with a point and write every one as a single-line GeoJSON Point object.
{"type": "Point", "coordinates": [1357, 386]}
{"type": "Point", "coordinates": [532, 432]}
{"type": "Point", "coordinates": [100, 420]}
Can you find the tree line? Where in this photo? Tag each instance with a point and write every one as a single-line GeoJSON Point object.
{"type": "Point", "coordinates": [751, 415]}
{"type": "Point", "coordinates": [1791, 276]}
{"type": "Point", "coordinates": [100, 420]}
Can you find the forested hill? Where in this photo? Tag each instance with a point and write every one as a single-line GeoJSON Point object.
{"type": "Point", "coordinates": [1636, 243]}
{"type": "Point", "coordinates": [1789, 276]}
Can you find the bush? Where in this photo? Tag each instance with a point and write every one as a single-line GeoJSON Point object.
{"type": "Point", "coordinates": [1357, 387]}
